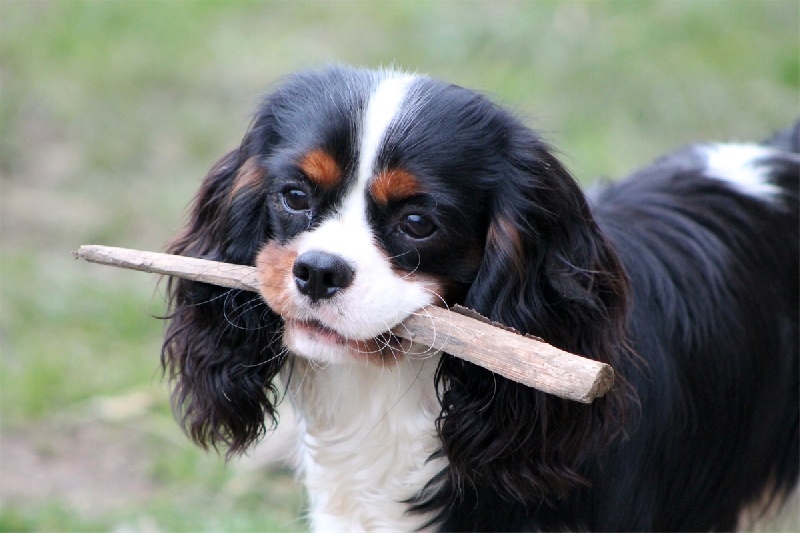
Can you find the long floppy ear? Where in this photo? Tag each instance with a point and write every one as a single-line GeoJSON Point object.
{"type": "Point", "coordinates": [222, 347]}
{"type": "Point", "coordinates": [547, 270]}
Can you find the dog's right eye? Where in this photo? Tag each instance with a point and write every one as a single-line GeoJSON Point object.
{"type": "Point", "coordinates": [417, 226]}
{"type": "Point", "coordinates": [295, 200]}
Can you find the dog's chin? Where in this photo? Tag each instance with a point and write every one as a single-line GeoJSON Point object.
{"type": "Point", "coordinates": [314, 341]}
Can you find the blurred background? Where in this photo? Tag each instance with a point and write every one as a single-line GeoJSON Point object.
{"type": "Point", "coordinates": [111, 113]}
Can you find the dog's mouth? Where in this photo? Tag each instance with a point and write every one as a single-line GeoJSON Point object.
{"type": "Point", "coordinates": [385, 344]}
{"type": "Point", "coordinates": [321, 332]}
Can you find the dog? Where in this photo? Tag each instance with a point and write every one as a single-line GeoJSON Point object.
{"type": "Point", "coordinates": [363, 196]}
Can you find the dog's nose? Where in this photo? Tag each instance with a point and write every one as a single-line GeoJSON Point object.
{"type": "Point", "coordinates": [320, 275]}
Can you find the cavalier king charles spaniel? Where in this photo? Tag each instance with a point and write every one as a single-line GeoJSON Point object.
{"type": "Point", "coordinates": [363, 196]}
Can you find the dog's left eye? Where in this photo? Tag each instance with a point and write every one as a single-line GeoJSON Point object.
{"type": "Point", "coordinates": [296, 200]}
{"type": "Point", "coordinates": [417, 226]}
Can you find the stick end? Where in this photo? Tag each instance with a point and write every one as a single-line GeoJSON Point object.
{"type": "Point", "coordinates": [602, 384]}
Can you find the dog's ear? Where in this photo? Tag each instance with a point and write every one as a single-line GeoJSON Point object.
{"type": "Point", "coordinates": [547, 270]}
{"type": "Point", "coordinates": [222, 347]}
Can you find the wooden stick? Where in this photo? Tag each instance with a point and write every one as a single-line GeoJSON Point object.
{"type": "Point", "coordinates": [524, 359]}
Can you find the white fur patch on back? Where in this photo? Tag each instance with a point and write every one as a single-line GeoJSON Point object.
{"type": "Point", "coordinates": [740, 165]}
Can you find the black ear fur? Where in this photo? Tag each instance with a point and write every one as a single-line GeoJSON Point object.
{"type": "Point", "coordinates": [222, 347]}
{"type": "Point", "coordinates": [549, 271]}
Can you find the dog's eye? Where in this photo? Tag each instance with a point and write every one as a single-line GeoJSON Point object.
{"type": "Point", "coordinates": [296, 200]}
{"type": "Point", "coordinates": [417, 226]}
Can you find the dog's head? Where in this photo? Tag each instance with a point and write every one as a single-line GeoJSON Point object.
{"type": "Point", "coordinates": [363, 196]}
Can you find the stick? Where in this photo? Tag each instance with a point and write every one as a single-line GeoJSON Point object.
{"type": "Point", "coordinates": [526, 360]}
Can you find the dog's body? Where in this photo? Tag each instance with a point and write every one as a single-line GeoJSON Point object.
{"type": "Point", "coordinates": [364, 196]}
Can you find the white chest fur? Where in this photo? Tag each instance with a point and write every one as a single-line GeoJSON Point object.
{"type": "Point", "coordinates": [366, 435]}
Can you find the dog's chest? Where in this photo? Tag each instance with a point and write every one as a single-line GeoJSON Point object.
{"type": "Point", "coordinates": [367, 435]}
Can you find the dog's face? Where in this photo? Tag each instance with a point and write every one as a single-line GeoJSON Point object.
{"type": "Point", "coordinates": [375, 186]}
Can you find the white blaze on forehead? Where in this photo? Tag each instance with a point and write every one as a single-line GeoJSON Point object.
{"type": "Point", "coordinates": [383, 106]}
{"type": "Point", "coordinates": [741, 166]}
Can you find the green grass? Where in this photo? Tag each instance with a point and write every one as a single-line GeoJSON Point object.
{"type": "Point", "coordinates": [110, 114]}
{"type": "Point", "coordinates": [65, 322]}
{"type": "Point", "coordinates": [49, 517]}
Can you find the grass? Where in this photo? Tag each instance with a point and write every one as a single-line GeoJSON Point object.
{"type": "Point", "coordinates": [110, 114]}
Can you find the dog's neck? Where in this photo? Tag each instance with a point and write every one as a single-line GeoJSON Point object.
{"type": "Point", "coordinates": [367, 433]}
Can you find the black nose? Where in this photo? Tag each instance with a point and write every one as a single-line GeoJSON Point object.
{"type": "Point", "coordinates": [320, 275]}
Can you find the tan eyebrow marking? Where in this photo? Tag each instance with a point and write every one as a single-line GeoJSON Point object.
{"type": "Point", "coordinates": [393, 185]}
{"type": "Point", "coordinates": [321, 168]}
